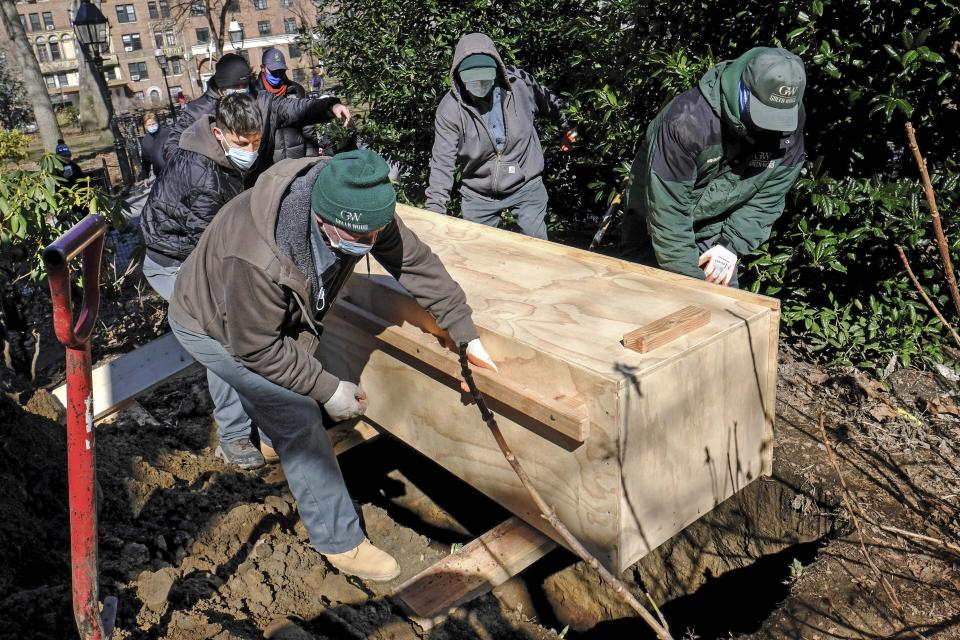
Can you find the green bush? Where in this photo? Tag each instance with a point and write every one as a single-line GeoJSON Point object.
{"type": "Point", "coordinates": [871, 65]}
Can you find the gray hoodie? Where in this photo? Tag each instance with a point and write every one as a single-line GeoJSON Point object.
{"type": "Point", "coordinates": [462, 136]}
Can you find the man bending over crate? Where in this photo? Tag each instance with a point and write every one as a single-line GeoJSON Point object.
{"type": "Point", "coordinates": [249, 302]}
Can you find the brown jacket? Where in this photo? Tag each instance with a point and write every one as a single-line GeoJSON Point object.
{"type": "Point", "coordinates": [240, 289]}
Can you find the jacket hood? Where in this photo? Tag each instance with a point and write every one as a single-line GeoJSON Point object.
{"type": "Point", "coordinates": [265, 197]}
{"type": "Point", "coordinates": [471, 44]}
{"type": "Point", "coordinates": [199, 138]}
{"type": "Point", "coordinates": [720, 86]}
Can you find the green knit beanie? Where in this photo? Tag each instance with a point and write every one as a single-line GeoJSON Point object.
{"type": "Point", "coordinates": [354, 192]}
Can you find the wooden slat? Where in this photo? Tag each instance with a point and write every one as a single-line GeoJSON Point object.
{"type": "Point", "coordinates": [666, 329]}
{"type": "Point", "coordinates": [566, 416]}
{"type": "Point", "coordinates": [118, 381]}
{"type": "Point", "coordinates": [347, 435]}
{"type": "Point", "coordinates": [478, 567]}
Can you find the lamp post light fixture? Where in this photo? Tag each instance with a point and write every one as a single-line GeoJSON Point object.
{"type": "Point", "coordinates": [162, 61]}
{"type": "Point", "coordinates": [90, 25]}
{"type": "Point", "coordinates": [236, 35]}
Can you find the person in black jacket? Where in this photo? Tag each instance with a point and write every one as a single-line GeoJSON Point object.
{"type": "Point", "coordinates": [151, 145]}
{"type": "Point", "coordinates": [213, 158]}
{"type": "Point", "coordinates": [233, 76]}
{"type": "Point", "coordinates": [291, 142]}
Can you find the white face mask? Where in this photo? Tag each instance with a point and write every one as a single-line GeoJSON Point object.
{"type": "Point", "coordinates": [478, 88]}
{"type": "Point", "coordinates": [228, 92]}
{"type": "Point", "coordinates": [240, 158]}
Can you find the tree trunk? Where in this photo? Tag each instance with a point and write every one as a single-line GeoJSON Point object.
{"type": "Point", "coordinates": [94, 115]}
{"type": "Point", "coordinates": [32, 78]}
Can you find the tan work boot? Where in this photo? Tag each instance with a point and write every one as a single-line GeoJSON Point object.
{"type": "Point", "coordinates": [269, 453]}
{"type": "Point", "coordinates": [367, 562]}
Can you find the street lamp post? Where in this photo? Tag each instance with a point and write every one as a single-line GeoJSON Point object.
{"type": "Point", "coordinates": [236, 35]}
{"type": "Point", "coordinates": [162, 61]}
{"type": "Point", "coordinates": [90, 26]}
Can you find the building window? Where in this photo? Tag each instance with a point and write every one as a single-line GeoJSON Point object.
{"type": "Point", "coordinates": [203, 35]}
{"type": "Point", "coordinates": [197, 8]}
{"type": "Point", "coordinates": [294, 49]}
{"type": "Point", "coordinates": [131, 42]}
{"type": "Point", "coordinates": [35, 22]}
{"type": "Point", "coordinates": [138, 95]}
{"type": "Point", "coordinates": [138, 71]}
{"type": "Point", "coordinates": [176, 66]}
{"type": "Point", "coordinates": [42, 55]}
{"type": "Point", "coordinates": [286, 3]}
{"type": "Point", "coordinates": [233, 5]}
{"type": "Point", "coordinates": [158, 39]}
{"type": "Point", "coordinates": [171, 39]}
{"type": "Point", "coordinates": [23, 21]}
{"type": "Point", "coordinates": [175, 90]}
{"type": "Point", "coordinates": [164, 9]}
{"type": "Point", "coordinates": [126, 13]}
{"type": "Point", "coordinates": [289, 25]}
{"type": "Point", "coordinates": [48, 21]}
{"type": "Point", "coordinates": [152, 10]}
{"type": "Point", "coordinates": [51, 81]}
{"type": "Point", "coordinates": [260, 4]}
{"type": "Point", "coordinates": [55, 55]}
{"type": "Point", "coordinates": [110, 73]}
{"type": "Point", "coordinates": [263, 26]}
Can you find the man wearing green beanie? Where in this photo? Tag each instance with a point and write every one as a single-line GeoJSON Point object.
{"type": "Point", "coordinates": [249, 302]}
{"type": "Point", "coordinates": [715, 167]}
{"type": "Point", "coordinates": [485, 124]}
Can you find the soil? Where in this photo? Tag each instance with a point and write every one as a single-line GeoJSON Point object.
{"type": "Point", "coordinates": [195, 549]}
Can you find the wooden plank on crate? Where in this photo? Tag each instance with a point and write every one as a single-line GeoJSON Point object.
{"type": "Point", "coordinates": [566, 416]}
{"type": "Point", "coordinates": [117, 382]}
{"type": "Point", "coordinates": [666, 329]}
{"type": "Point", "coordinates": [481, 565]}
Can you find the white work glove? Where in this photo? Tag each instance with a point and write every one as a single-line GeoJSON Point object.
{"type": "Point", "coordinates": [348, 401]}
{"type": "Point", "coordinates": [478, 357]}
{"type": "Point", "coordinates": [721, 264]}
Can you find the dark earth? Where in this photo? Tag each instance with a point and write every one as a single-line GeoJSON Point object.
{"type": "Point", "coordinates": [195, 549]}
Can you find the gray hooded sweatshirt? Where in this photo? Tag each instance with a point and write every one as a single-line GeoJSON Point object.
{"type": "Point", "coordinates": [462, 137]}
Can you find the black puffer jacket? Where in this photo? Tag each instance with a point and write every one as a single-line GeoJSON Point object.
{"type": "Point", "coordinates": [291, 142]}
{"type": "Point", "coordinates": [277, 114]}
{"type": "Point", "coordinates": [197, 181]}
{"type": "Point", "coordinates": [151, 151]}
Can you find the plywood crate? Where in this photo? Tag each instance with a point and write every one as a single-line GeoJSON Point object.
{"type": "Point", "coordinates": [666, 435]}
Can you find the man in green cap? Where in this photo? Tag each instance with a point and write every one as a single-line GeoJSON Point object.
{"type": "Point", "coordinates": [485, 123]}
{"type": "Point", "coordinates": [713, 172]}
{"type": "Point", "coordinates": [249, 302]}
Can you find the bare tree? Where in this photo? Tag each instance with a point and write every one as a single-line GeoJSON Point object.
{"type": "Point", "coordinates": [32, 77]}
{"type": "Point", "coordinates": [215, 12]}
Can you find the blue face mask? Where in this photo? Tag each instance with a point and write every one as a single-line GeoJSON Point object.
{"type": "Point", "coordinates": [153, 128]}
{"type": "Point", "coordinates": [274, 80]}
{"type": "Point", "coordinates": [348, 247]}
{"type": "Point", "coordinates": [240, 158]}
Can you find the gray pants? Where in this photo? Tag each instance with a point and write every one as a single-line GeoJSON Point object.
{"type": "Point", "coordinates": [529, 206]}
{"type": "Point", "coordinates": [295, 425]}
{"type": "Point", "coordinates": [233, 423]}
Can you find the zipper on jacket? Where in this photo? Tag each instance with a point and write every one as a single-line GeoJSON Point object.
{"type": "Point", "coordinates": [306, 313]}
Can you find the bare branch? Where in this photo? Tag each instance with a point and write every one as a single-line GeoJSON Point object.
{"type": "Point", "coordinates": [926, 298]}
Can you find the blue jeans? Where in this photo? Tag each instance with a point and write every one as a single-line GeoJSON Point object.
{"type": "Point", "coordinates": [529, 206]}
{"type": "Point", "coordinates": [233, 423]}
{"type": "Point", "coordinates": [294, 424]}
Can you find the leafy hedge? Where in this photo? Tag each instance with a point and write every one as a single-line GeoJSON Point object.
{"type": "Point", "coordinates": [871, 65]}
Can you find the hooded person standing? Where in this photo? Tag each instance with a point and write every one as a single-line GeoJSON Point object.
{"type": "Point", "coordinates": [250, 300]}
{"type": "Point", "coordinates": [210, 166]}
{"type": "Point", "coordinates": [232, 75]}
{"type": "Point", "coordinates": [291, 142]}
{"type": "Point", "coordinates": [715, 167]}
{"type": "Point", "coordinates": [485, 124]}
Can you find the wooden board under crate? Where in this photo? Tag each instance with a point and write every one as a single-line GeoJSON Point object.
{"type": "Point", "coordinates": [628, 447]}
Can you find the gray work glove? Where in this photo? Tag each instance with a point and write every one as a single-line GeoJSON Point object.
{"type": "Point", "coordinates": [348, 401]}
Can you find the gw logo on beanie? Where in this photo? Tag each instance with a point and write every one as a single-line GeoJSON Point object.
{"type": "Point", "coordinates": [354, 192]}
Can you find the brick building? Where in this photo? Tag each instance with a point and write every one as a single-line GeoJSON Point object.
{"type": "Point", "coordinates": [139, 27]}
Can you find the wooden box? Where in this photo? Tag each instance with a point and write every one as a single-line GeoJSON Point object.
{"type": "Point", "coordinates": [628, 447]}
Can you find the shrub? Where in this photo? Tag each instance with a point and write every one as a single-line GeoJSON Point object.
{"type": "Point", "coordinates": [871, 65]}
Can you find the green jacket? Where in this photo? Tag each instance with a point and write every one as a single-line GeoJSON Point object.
{"type": "Point", "coordinates": [700, 176]}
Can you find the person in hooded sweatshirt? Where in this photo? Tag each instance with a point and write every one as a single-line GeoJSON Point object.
{"type": "Point", "coordinates": [291, 142]}
{"type": "Point", "coordinates": [250, 302]}
{"type": "Point", "coordinates": [713, 172]}
{"type": "Point", "coordinates": [213, 158]}
{"type": "Point", "coordinates": [232, 75]}
{"type": "Point", "coordinates": [485, 124]}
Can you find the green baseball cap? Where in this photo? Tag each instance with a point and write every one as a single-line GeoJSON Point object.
{"type": "Point", "coordinates": [776, 80]}
{"type": "Point", "coordinates": [354, 192]}
{"type": "Point", "coordinates": [478, 66]}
